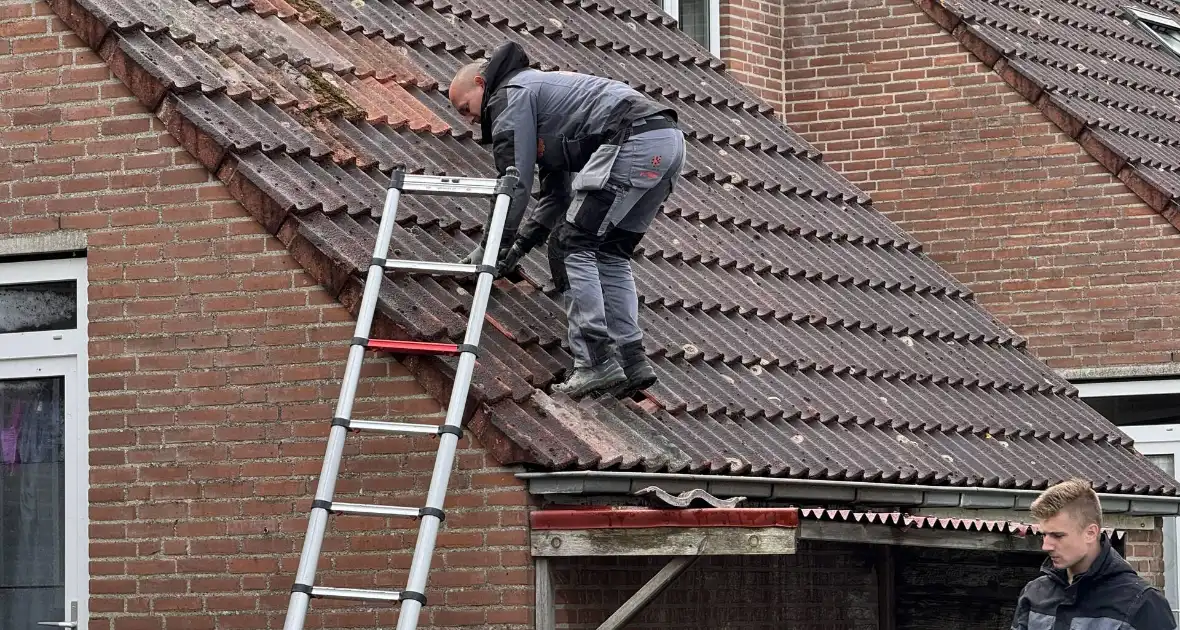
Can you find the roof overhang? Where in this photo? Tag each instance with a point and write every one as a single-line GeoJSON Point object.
{"type": "Point", "coordinates": [827, 493]}
{"type": "Point", "coordinates": [639, 531]}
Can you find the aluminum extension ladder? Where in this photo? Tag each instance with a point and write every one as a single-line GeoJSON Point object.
{"type": "Point", "coordinates": [414, 596]}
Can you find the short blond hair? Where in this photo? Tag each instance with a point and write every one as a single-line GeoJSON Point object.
{"type": "Point", "coordinates": [1074, 495]}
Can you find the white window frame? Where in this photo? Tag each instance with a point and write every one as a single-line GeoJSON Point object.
{"type": "Point", "coordinates": [672, 8]}
{"type": "Point", "coordinates": [1135, 387]}
{"type": "Point", "coordinates": [1158, 439]}
{"type": "Point", "coordinates": [61, 353]}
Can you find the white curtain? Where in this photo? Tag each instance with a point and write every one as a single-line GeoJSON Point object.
{"type": "Point", "coordinates": [32, 492]}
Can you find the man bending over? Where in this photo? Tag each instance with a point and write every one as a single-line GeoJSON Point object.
{"type": "Point", "coordinates": [607, 158]}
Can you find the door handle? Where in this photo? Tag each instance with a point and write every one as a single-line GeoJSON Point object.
{"type": "Point", "coordinates": [64, 624]}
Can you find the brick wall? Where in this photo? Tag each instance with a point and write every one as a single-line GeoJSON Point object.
{"type": "Point", "coordinates": [215, 363]}
{"type": "Point", "coordinates": [822, 587]}
{"type": "Point", "coordinates": [1052, 243]}
{"type": "Point", "coordinates": [752, 46]}
{"type": "Point", "coordinates": [1145, 551]}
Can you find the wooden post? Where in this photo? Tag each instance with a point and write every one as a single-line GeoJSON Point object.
{"type": "Point", "coordinates": [643, 596]}
{"type": "Point", "coordinates": [546, 604]}
{"type": "Point", "coordinates": [886, 588]}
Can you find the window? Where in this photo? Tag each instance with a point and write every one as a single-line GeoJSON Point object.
{"type": "Point", "coordinates": [1147, 410]}
{"type": "Point", "coordinates": [1166, 29]}
{"type": "Point", "coordinates": [700, 19]}
{"type": "Point", "coordinates": [44, 546]}
{"type": "Point", "coordinates": [36, 306]}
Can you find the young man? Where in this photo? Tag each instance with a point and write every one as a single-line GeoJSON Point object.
{"type": "Point", "coordinates": [1086, 584]}
{"type": "Point", "coordinates": [626, 151]}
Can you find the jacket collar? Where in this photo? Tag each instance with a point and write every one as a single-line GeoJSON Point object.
{"type": "Point", "coordinates": [1105, 565]}
{"type": "Point", "coordinates": [508, 59]}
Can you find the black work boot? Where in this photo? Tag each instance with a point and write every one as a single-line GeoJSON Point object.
{"type": "Point", "coordinates": [640, 374]}
{"type": "Point", "coordinates": [602, 377]}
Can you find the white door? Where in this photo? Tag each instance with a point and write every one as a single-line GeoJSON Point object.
{"type": "Point", "coordinates": [44, 554]}
{"type": "Point", "coordinates": [43, 571]}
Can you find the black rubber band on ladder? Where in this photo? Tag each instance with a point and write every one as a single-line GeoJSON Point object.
{"type": "Point", "coordinates": [418, 597]}
{"type": "Point", "coordinates": [466, 347]}
{"type": "Point", "coordinates": [342, 422]}
{"type": "Point", "coordinates": [397, 179]}
{"type": "Point", "coordinates": [322, 504]}
{"type": "Point", "coordinates": [301, 588]}
{"type": "Point", "coordinates": [360, 341]}
{"type": "Point", "coordinates": [506, 184]}
{"type": "Point", "coordinates": [435, 512]}
{"type": "Point", "coordinates": [446, 428]}
{"type": "Point", "coordinates": [485, 269]}
{"type": "Point", "coordinates": [380, 262]}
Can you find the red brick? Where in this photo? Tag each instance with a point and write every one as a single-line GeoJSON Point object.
{"type": "Point", "coordinates": [85, 74]}
{"type": "Point", "coordinates": [15, 100]}
{"type": "Point", "coordinates": [83, 184]}
{"type": "Point", "coordinates": [97, 165]}
{"type": "Point", "coordinates": [184, 176]}
{"type": "Point", "coordinates": [23, 27]}
{"type": "Point", "coordinates": [74, 132]}
{"type": "Point", "coordinates": [24, 136]}
{"type": "Point", "coordinates": [36, 116]}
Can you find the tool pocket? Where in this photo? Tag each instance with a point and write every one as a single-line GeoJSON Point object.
{"type": "Point", "coordinates": [596, 173]}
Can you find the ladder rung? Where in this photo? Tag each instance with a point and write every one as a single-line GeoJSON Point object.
{"type": "Point", "coordinates": [374, 510]}
{"type": "Point", "coordinates": [412, 347]}
{"type": "Point", "coordinates": [363, 594]}
{"type": "Point", "coordinates": [393, 427]}
{"type": "Point", "coordinates": [454, 186]}
{"type": "Point", "coordinates": [431, 267]}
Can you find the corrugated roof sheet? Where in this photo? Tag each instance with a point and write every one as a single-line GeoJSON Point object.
{"type": "Point", "coordinates": [796, 331]}
{"type": "Point", "coordinates": [1094, 69]}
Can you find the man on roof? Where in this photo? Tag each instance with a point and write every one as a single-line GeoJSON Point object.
{"type": "Point", "coordinates": [607, 157]}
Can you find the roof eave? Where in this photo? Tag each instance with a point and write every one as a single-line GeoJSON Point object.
{"type": "Point", "coordinates": [826, 492]}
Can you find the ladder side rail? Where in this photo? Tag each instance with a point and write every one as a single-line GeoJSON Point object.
{"type": "Point", "coordinates": [444, 460]}
{"type": "Point", "coordinates": [317, 523]}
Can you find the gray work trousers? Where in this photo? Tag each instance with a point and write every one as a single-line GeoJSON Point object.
{"type": "Point", "coordinates": [590, 258]}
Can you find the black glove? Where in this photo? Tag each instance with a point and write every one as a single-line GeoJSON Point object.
{"type": "Point", "coordinates": [509, 259]}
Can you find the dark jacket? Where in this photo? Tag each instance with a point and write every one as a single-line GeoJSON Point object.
{"type": "Point", "coordinates": [550, 123]}
{"type": "Point", "coordinates": [1108, 596]}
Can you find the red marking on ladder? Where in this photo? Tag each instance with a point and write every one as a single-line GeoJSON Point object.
{"type": "Point", "coordinates": [412, 347]}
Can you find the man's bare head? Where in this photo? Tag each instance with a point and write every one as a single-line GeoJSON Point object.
{"type": "Point", "coordinates": [466, 90]}
{"type": "Point", "coordinates": [1070, 517]}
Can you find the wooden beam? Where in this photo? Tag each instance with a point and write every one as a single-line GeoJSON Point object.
{"type": "Point", "coordinates": [886, 589]}
{"type": "Point", "coordinates": [648, 592]}
{"type": "Point", "coordinates": [546, 604]}
{"type": "Point", "coordinates": [665, 541]}
{"type": "Point", "coordinates": [836, 531]}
